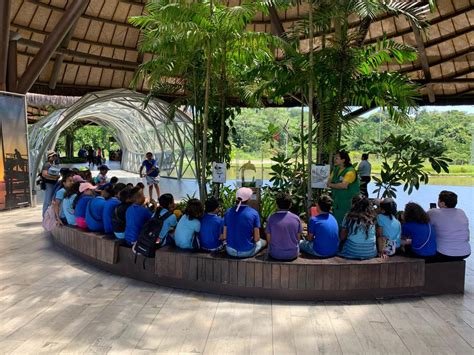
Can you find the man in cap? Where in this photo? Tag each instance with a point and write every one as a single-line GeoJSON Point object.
{"type": "Point", "coordinates": [242, 227]}
{"type": "Point", "coordinates": [49, 175]}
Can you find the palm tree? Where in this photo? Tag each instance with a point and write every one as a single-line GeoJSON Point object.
{"type": "Point", "coordinates": [196, 44]}
{"type": "Point", "coordinates": [341, 71]}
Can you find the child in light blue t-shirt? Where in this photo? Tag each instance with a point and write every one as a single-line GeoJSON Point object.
{"type": "Point", "coordinates": [358, 231]}
{"type": "Point", "coordinates": [389, 229]}
{"type": "Point", "coordinates": [186, 234]}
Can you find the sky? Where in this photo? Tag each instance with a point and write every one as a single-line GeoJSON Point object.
{"type": "Point", "coordinates": [464, 108]}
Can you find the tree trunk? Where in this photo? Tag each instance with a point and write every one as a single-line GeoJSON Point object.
{"type": "Point", "coordinates": [69, 144]}
{"type": "Point", "coordinates": [310, 104]}
{"type": "Point", "coordinates": [202, 187]}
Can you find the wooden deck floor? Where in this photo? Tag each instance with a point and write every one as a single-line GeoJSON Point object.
{"type": "Point", "coordinates": [53, 303]}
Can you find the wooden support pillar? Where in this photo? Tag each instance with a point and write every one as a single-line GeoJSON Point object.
{"type": "Point", "coordinates": [67, 21]}
{"type": "Point", "coordinates": [12, 66]}
{"type": "Point", "coordinates": [5, 10]}
{"type": "Point", "coordinates": [423, 60]}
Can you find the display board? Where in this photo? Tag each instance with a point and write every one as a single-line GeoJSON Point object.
{"type": "Point", "coordinates": [14, 171]}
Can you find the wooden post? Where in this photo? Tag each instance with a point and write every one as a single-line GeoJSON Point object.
{"type": "Point", "coordinates": [5, 10]}
{"type": "Point", "coordinates": [51, 44]}
{"type": "Point", "coordinates": [12, 70]}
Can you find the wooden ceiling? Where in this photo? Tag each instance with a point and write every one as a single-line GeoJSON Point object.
{"type": "Point", "coordinates": [101, 50]}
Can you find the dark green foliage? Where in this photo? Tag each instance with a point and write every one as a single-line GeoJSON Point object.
{"type": "Point", "coordinates": [403, 158]}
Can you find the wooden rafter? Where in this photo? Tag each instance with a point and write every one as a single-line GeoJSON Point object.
{"type": "Point", "coordinates": [423, 61]}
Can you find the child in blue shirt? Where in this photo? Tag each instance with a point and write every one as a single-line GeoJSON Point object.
{"type": "Point", "coordinates": [118, 218]}
{"type": "Point", "coordinates": [323, 231]}
{"type": "Point", "coordinates": [136, 216]}
{"type": "Point", "coordinates": [389, 229]}
{"type": "Point", "coordinates": [417, 227]}
{"type": "Point", "coordinates": [211, 236]}
{"type": "Point", "coordinates": [67, 205]}
{"type": "Point", "coordinates": [358, 230]}
{"type": "Point", "coordinates": [95, 211]}
{"type": "Point", "coordinates": [167, 204]}
{"type": "Point", "coordinates": [186, 234]}
{"type": "Point", "coordinates": [111, 202]}
{"type": "Point", "coordinates": [242, 227]}
{"type": "Point", "coordinates": [86, 194]}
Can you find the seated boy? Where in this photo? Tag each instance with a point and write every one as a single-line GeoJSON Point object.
{"type": "Point", "coordinates": [136, 216]}
{"type": "Point", "coordinates": [211, 236]}
{"type": "Point", "coordinates": [242, 227]}
{"type": "Point", "coordinates": [323, 231]}
{"type": "Point", "coordinates": [283, 230]}
{"type": "Point", "coordinates": [167, 204]}
{"type": "Point", "coordinates": [101, 179]}
{"type": "Point", "coordinates": [110, 205]}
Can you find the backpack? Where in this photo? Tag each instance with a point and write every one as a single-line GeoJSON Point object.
{"type": "Point", "coordinates": [149, 238]}
{"type": "Point", "coordinates": [118, 224]}
{"type": "Point", "coordinates": [49, 219]}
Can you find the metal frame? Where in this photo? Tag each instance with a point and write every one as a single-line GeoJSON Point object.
{"type": "Point", "coordinates": [137, 127]}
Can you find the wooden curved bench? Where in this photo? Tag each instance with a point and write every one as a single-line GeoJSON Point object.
{"type": "Point", "coordinates": [305, 278]}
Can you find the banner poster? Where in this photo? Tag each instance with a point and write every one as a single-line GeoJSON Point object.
{"type": "Point", "coordinates": [319, 176]}
{"type": "Point", "coordinates": [219, 173]}
{"type": "Point", "coordinates": [14, 174]}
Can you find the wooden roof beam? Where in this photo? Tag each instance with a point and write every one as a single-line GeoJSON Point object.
{"type": "Point", "coordinates": [87, 56]}
{"type": "Point", "coordinates": [277, 27]}
{"type": "Point", "coordinates": [88, 17]}
{"type": "Point", "coordinates": [425, 65]}
{"type": "Point", "coordinates": [81, 40]}
{"type": "Point", "coordinates": [51, 43]}
{"type": "Point", "coordinates": [93, 65]}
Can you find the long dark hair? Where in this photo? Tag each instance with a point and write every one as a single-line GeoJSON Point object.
{"type": "Point", "coordinates": [347, 159]}
{"type": "Point", "coordinates": [73, 189]}
{"type": "Point", "coordinates": [415, 213]}
{"type": "Point", "coordinates": [389, 207]}
{"type": "Point", "coordinates": [361, 215]}
{"type": "Point", "coordinates": [194, 209]}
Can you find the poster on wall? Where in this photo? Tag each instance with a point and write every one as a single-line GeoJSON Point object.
{"type": "Point", "coordinates": [319, 176]}
{"type": "Point", "coordinates": [218, 173]}
{"type": "Point", "coordinates": [14, 174]}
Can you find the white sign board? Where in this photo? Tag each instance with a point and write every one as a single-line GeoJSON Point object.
{"type": "Point", "coordinates": [218, 172]}
{"type": "Point", "coordinates": [319, 176]}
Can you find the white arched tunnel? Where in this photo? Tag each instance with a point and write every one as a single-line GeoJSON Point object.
{"type": "Point", "coordinates": [138, 128]}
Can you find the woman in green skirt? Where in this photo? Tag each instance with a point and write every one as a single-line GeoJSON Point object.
{"type": "Point", "coordinates": [344, 184]}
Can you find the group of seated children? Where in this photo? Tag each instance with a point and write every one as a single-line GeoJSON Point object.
{"type": "Point", "coordinates": [366, 232]}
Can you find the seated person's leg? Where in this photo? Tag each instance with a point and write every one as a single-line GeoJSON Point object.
{"type": "Point", "coordinates": [262, 243]}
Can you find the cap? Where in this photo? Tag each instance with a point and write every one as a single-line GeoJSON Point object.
{"type": "Point", "coordinates": [51, 153]}
{"type": "Point", "coordinates": [86, 186]}
{"type": "Point", "coordinates": [243, 194]}
{"type": "Point", "coordinates": [77, 178]}
{"type": "Point", "coordinates": [104, 167]}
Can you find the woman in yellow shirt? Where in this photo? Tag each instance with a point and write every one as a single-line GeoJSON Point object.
{"type": "Point", "coordinates": [344, 184]}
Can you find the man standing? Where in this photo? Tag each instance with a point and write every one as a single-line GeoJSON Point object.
{"type": "Point", "coordinates": [364, 170]}
{"type": "Point", "coordinates": [152, 174]}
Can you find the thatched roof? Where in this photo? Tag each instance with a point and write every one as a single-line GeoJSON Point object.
{"type": "Point", "coordinates": [101, 53]}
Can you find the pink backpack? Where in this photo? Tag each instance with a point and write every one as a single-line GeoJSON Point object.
{"type": "Point", "coordinates": [49, 219]}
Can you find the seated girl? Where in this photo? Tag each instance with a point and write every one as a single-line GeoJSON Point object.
{"type": "Point", "coordinates": [67, 206]}
{"type": "Point", "coordinates": [422, 235]}
{"type": "Point", "coordinates": [86, 194]}
{"type": "Point", "coordinates": [242, 227]}
{"type": "Point", "coordinates": [389, 229]}
{"type": "Point", "coordinates": [167, 205]}
{"type": "Point", "coordinates": [211, 236]}
{"type": "Point", "coordinates": [358, 230]}
{"type": "Point", "coordinates": [110, 204]}
{"type": "Point", "coordinates": [95, 211]}
{"type": "Point", "coordinates": [186, 233]}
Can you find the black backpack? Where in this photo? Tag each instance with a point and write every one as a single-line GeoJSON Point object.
{"type": "Point", "coordinates": [119, 223]}
{"type": "Point", "coordinates": [149, 237]}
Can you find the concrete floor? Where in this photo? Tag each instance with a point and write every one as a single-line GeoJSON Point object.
{"type": "Point", "coordinates": [51, 302]}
